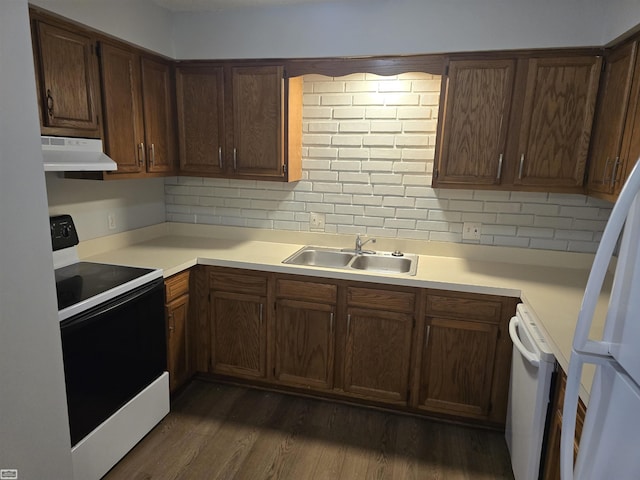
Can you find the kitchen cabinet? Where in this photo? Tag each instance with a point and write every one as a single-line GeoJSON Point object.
{"type": "Point", "coordinates": [431, 352]}
{"type": "Point", "coordinates": [200, 101]}
{"type": "Point", "coordinates": [139, 115]}
{"type": "Point", "coordinates": [517, 123]}
{"type": "Point", "coordinates": [66, 68]}
{"type": "Point", "coordinates": [615, 146]}
{"type": "Point", "coordinates": [551, 468]}
{"type": "Point", "coordinates": [238, 328]}
{"type": "Point", "coordinates": [475, 105]}
{"type": "Point", "coordinates": [177, 306]}
{"type": "Point", "coordinates": [378, 343]}
{"type": "Point", "coordinates": [464, 355]}
{"type": "Point", "coordinates": [304, 346]}
{"type": "Point", "coordinates": [239, 121]}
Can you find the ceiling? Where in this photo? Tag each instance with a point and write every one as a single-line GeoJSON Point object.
{"type": "Point", "coordinates": [212, 5]}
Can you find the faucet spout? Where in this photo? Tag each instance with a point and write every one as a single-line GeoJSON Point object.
{"type": "Point", "coordinates": [360, 244]}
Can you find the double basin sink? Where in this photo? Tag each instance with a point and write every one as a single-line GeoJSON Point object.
{"type": "Point", "coordinates": [345, 259]}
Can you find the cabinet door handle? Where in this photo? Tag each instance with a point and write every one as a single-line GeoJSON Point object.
{"type": "Point", "coordinates": [220, 157]}
{"type": "Point", "coordinates": [172, 324]}
{"type": "Point", "coordinates": [261, 309]}
{"type": "Point", "coordinates": [235, 158]}
{"type": "Point", "coordinates": [142, 158]}
{"type": "Point", "coordinates": [614, 172]}
{"type": "Point", "coordinates": [152, 153]}
{"type": "Point", "coordinates": [521, 167]}
{"type": "Point", "coordinates": [500, 166]}
{"type": "Point", "coordinates": [331, 322]}
{"type": "Point", "coordinates": [348, 324]}
{"type": "Point", "coordinates": [426, 337]}
{"type": "Point", "coordinates": [49, 103]}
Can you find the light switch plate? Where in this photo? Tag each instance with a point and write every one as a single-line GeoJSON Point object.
{"type": "Point", "coordinates": [471, 231]}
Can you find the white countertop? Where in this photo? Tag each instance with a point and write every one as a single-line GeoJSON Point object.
{"type": "Point", "coordinates": [550, 283]}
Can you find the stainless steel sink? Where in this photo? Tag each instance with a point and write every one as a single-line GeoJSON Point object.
{"type": "Point", "coordinates": [379, 262]}
{"type": "Point", "coordinates": [320, 257]}
{"type": "Point", "coordinates": [384, 263]}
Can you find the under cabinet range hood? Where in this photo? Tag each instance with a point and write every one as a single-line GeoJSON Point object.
{"type": "Point", "coordinates": [65, 154]}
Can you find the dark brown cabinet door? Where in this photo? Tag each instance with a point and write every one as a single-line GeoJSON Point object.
{"type": "Point", "coordinates": [67, 67]}
{"type": "Point", "coordinates": [304, 343]}
{"type": "Point", "coordinates": [257, 121]}
{"type": "Point", "coordinates": [457, 366]}
{"type": "Point", "coordinates": [477, 103]}
{"type": "Point", "coordinates": [377, 354]}
{"type": "Point", "coordinates": [199, 93]}
{"type": "Point", "coordinates": [122, 101]}
{"type": "Point", "coordinates": [610, 120]}
{"type": "Point", "coordinates": [178, 353]}
{"type": "Point", "coordinates": [159, 116]}
{"type": "Point", "coordinates": [556, 121]}
{"type": "Point", "coordinates": [238, 334]}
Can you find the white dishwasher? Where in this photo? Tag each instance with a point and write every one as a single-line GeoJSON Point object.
{"type": "Point", "coordinates": [532, 367]}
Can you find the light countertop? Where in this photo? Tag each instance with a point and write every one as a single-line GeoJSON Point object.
{"type": "Point", "coordinates": [551, 284]}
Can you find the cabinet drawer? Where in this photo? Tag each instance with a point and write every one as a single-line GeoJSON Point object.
{"type": "Point", "coordinates": [309, 291]}
{"type": "Point", "coordinates": [176, 286]}
{"type": "Point", "coordinates": [464, 306]}
{"type": "Point", "coordinates": [237, 282]}
{"type": "Point", "coordinates": [373, 298]}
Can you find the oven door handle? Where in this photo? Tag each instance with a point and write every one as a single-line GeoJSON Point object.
{"type": "Point", "coordinates": [96, 312]}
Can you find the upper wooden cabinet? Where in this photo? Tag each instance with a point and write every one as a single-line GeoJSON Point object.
{"type": "Point", "coordinates": [239, 121]}
{"type": "Point", "coordinates": [67, 80]}
{"type": "Point", "coordinates": [517, 123]}
{"type": "Point", "coordinates": [476, 102]}
{"type": "Point", "coordinates": [199, 94]}
{"type": "Point", "coordinates": [616, 139]}
{"type": "Point", "coordinates": [139, 116]}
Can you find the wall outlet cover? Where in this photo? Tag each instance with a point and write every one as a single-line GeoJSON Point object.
{"type": "Point", "coordinates": [316, 222]}
{"type": "Point", "coordinates": [471, 231]}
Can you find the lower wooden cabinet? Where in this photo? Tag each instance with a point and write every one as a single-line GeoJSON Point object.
{"type": "Point", "coordinates": [464, 359]}
{"type": "Point", "coordinates": [237, 306]}
{"type": "Point", "coordinates": [551, 469]}
{"type": "Point", "coordinates": [304, 333]}
{"type": "Point", "coordinates": [177, 306]}
{"type": "Point", "coordinates": [457, 366]}
{"type": "Point", "coordinates": [434, 352]}
{"type": "Point", "coordinates": [378, 343]}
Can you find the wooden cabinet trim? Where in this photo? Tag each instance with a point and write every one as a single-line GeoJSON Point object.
{"type": "Point", "coordinates": [378, 298]}
{"type": "Point", "coordinates": [311, 291]}
{"type": "Point", "coordinates": [177, 285]}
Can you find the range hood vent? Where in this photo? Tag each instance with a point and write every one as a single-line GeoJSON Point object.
{"type": "Point", "coordinates": [65, 154]}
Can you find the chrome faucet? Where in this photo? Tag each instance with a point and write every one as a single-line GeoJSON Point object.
{"type": "Point", "coordinates": [360, 244]}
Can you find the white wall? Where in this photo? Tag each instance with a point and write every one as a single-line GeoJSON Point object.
{"type": "Point", "coordinates": [386, 27]}
{"type": "Point", "coordinates": [620, 16]}
{"type": "Point", "coordinates": [34, 431]}
{"type": "Point", "coordinates": [134, 203]}
{"type": "Point", "coordinates": [140, 22]}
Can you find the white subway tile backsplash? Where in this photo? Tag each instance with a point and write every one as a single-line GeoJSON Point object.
{"type": "Point", "coordinates": [357, 188]}
{"type": "Point", "coordinates": [368, 152]}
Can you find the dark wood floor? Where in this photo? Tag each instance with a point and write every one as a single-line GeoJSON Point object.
{"type": "Point", "coordinates": [226, 432]}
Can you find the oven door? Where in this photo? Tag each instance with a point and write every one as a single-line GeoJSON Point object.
{"type": "Point", "coordinates": [111, 353]}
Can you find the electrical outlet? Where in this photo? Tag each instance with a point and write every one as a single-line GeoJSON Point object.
{"type": "Point", "coordinates": [111, 221]}
{"type": "Point", "coordinates": [316, 222]}
{"type": "Point", "coordinates": [471, 231]}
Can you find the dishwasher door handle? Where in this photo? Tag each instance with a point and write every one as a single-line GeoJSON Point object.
{"type": "Point", "coordinates": [531, 357]}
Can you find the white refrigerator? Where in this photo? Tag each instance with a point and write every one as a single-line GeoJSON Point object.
{"type": "Point", "coordinates": [610, 442]}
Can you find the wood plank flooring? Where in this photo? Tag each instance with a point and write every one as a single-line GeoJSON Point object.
{"type": "Point", "coordinates": [226, 432]}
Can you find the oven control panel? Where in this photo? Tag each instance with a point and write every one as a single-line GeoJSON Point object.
{"type": "Point", "coordinates": [63, 232]}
